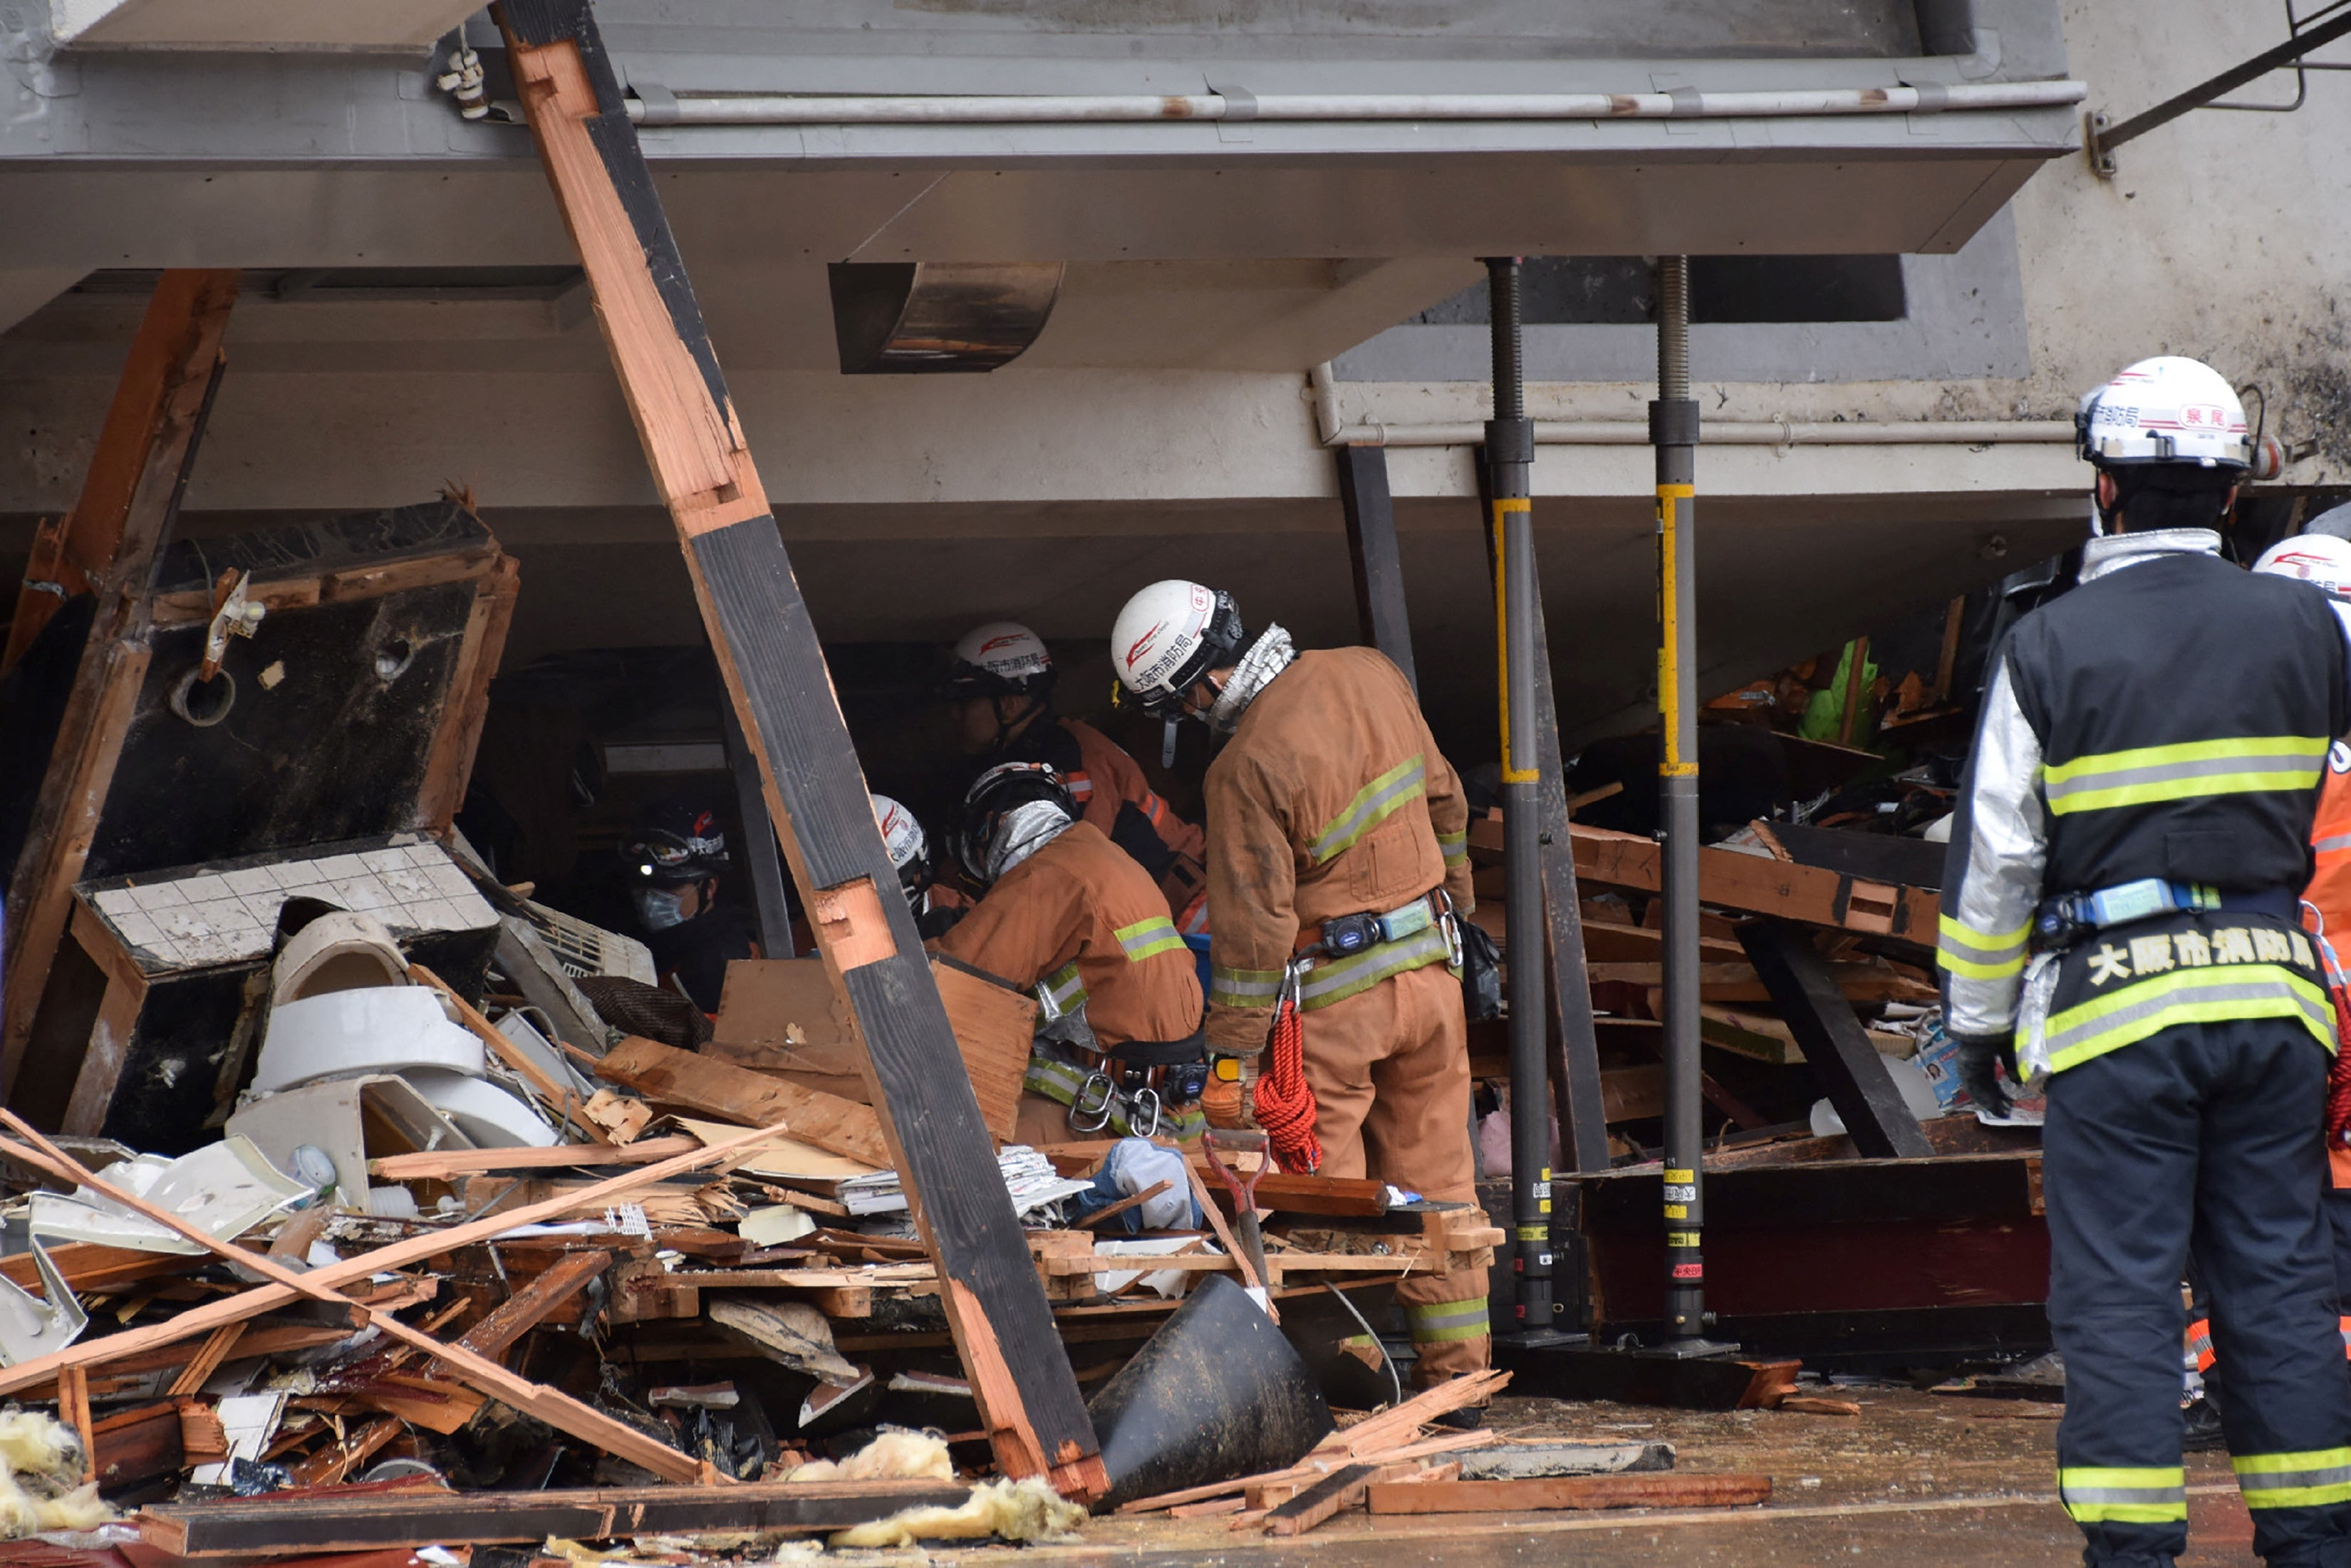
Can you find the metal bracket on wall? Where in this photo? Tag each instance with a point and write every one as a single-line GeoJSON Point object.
{"type": "Point", "coordinates": [2101, 135]}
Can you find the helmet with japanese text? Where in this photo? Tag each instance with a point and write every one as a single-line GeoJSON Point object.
{"type": "Point", "coordinates": [909, 846]}
{"type": "Point", "coordinates": [2167, 409]}
{"type": "Point", "coordinates": [2320, 560]}
{"type": "Point", "coordinates": [1002, 658]}
{"type": "Point", "coordinates": [1168, 636]}
{"type": "Point", "coordinates": [2171, 434]}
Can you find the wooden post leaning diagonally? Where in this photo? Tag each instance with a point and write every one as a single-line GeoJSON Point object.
{"type": "Point", "coordinates": [107, 549]}
{"type": "Point", "coordinates": [776, 679]}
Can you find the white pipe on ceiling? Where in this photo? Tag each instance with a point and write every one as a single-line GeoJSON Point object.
{"type": "Point", "coordinates": [654, 105]}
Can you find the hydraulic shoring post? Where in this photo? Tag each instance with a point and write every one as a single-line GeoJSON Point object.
{"type": "Point", "coordinates": [1509, 462]}
{"type": "Point", "coordinates": [1672, 431]}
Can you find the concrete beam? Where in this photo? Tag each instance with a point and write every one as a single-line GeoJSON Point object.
{"type": "Point", "coordinates": [239, 25]}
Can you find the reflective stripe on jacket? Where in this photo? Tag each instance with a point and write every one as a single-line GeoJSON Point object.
{"type": "Point", "coordinates": [1330, 799]}
{"type": "Point", "coordinates": [1081, 912]}
{"type": "Point", "coordinates": [2166, 718]}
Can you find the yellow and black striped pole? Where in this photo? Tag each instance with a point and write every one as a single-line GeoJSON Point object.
{"type": "Point", "coordinates": [1510, 463]}
{"type": "Point", "coordinates": [1674, 431]}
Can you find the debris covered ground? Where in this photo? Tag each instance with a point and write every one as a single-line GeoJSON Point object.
{"type": "Point", "coordinates": [413, 1188]}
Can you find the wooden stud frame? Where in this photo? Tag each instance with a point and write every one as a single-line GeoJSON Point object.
{"type": "Point", "coordinates": [775, 673]}
{"type": "Point", "coordinates": [132, 488]}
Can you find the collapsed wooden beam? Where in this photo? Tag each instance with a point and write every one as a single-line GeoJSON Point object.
{"type": "Point", "coordinates": [139, 443]}
{"type": "Point", "coordinates": [108, 550]}
{"type": "Point", "coordinates": [1760, 885]}
{"type": "Point", "coordinates": [367, 1521]}
{"type": "Point", "coordinates": [774, 670]}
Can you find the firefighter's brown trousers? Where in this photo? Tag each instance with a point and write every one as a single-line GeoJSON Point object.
{"type": "Point", "coordinates": [1390, 1071]}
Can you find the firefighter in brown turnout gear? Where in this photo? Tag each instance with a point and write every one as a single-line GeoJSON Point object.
{"type": "Point", "coordinates": [1336, 833]}
{"type": "Point", "coordinates": [1119, 1047]}
{"type": "Point", "coordinates": [1001, 688]}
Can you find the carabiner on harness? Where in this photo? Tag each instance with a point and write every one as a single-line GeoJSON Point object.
{"type": "Point", "coordinates": [1085, 1114]}
{"type": "Point", "coordinates": [1143, 1114]}
{"type": "Point", "coordinates": [1451, 922]}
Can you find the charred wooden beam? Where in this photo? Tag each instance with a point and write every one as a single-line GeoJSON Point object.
{"type": "Point", "coordinates": [774, 670]}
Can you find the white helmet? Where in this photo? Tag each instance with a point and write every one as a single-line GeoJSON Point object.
{"type": "Point", "coordinates": [910, 848]}
{"type": "Point", "coordinates": [2165, 410]}
{"type": "Point", "coordinates": [1002, 658]}
{"type": "Point", "coordinates": [2319, 559]}
{"type": "Point", "coordinates": [1168, 636]}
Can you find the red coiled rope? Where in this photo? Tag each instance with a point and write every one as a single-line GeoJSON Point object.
{"type": "Point", "coordinates": [1284, 1101]}
{"type": "Point", "coordinates": [2338, 1075]}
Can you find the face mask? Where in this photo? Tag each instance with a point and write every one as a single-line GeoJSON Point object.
{"type": "Point", "coordinates": [659, 907]}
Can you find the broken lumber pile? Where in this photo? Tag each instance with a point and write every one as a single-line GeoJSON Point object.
{"type": "Point", "coordinates": [1818, 1001]}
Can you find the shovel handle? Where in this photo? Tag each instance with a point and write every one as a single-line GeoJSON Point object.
{"type": "Point", "coordinates": [1256, 1143]}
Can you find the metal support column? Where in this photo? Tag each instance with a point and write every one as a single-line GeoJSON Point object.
{"type": "Point", "coordinates": [1509, 462]}
{"type": "Point", "coordinates": [1672, 431]}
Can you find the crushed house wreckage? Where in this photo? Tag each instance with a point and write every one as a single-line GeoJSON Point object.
{"type": "Point", "coordinates": [358, 1199]}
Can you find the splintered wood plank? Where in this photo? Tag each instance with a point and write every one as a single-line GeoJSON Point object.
{"type": "Point", "coordinates": [558, 1410]}
{"type": "Point", "coordinates": [695, 1082]}
{"type": "Point", "coordinates": [1339, 1490]}
{"type": "Point", "coordinates": [774, 670]}
{"type": "Point", "coordinates": [1646, 1491]}
{"type": "Point", "coordinates": [1763, 885]}
{"type": "Point", "coordinates": [530, 1306]}
{"type": "Point", "coordinates": [123, 1348]}
{"type": "Point", "coordinates": [128, 494]}
{"type": "Point", "coordinates": [207, 1360]}
{"type": "Point", "coordinates": [177, 339]}
{"type": "Point", "coordinates": [441, 1165]}
{"type": "Point", "coordinates": [451, 764]}
{"type": "Point", "coordinates": [363, 1520]}
{"type": "Point", "coordinates": [993, 1026]}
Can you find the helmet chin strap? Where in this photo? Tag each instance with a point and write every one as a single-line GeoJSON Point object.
{"type": "Point", "coordinates": [1184, 708]}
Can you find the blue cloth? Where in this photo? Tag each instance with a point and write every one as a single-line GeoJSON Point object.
{"type": "Point", "coordinates": [1133, 1165]}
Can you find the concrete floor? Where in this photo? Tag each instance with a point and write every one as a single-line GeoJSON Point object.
{"type": "Point", "coordinates": [1916, 1479]}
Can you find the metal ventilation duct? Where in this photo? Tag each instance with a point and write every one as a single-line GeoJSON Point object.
{"type": "Point", "coordinates": [924, 316]}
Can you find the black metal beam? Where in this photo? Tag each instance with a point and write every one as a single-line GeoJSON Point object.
{"type": "Point", "coordinates": [2102, 139]}
{"type": "Point", "coordinates": [1836, 1045]}
{"type": "Point", "coordinates": [762, 859]}
{"type": "Point", "coordinates": [1371, 550]}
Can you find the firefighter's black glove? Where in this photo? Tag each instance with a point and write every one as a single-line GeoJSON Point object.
{"type": "Point", "coordinates": [1981, 1056]}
